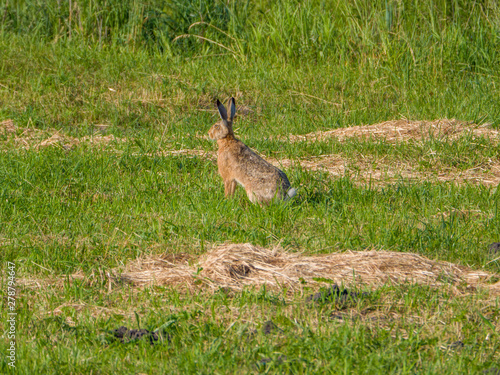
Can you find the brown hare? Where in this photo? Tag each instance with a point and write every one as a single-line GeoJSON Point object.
{"type": "Point", "coordinates": [239, 164]}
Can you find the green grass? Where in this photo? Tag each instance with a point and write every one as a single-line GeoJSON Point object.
{"type": "Point", "coordinates": [395, 330]}
{"type": "Point", "coordinates": [67, 211]}
{"type": "Point", "coordinates": [299, 67]}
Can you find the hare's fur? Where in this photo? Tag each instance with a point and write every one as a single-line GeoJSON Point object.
{"type": "Point", "coordinates": [238, 164]}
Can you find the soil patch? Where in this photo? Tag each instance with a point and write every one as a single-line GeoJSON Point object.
{"type": "Point", "coordinates": [270, 327]}
{"type": "Point", "coordinates": [494, 248]}
{"type": "Point", "coordinates": [126, 335]}
{"type": "Point", "coordinates": [235, 266]}
{"type": "Point", "coordinates": [334, 294]}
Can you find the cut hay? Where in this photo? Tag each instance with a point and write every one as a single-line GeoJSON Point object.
{"type": "Point", "coordinates": [67, 142]}
{"type": "Point", "coordinates": [390, 171]}
{"type": "Point", "coordinates": [210, 155]}
{"type": "Point", "coordinates": [235, 266]}
{"type": "Point", "coordinates": [7, 126]}
{"type": "Point", "coordinates": [32, 138]}
{"type": "Point", "coordinates": [404, 130]}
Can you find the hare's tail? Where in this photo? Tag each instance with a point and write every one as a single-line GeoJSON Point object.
{"type": "Point", "coordinates": [291, 193]}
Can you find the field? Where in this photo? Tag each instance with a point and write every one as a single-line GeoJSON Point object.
{"type": "Point", "coordinates": [384, 115]}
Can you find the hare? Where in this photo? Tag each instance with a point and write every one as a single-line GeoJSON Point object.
{"type": "Point", "coordinates": [239, 164]}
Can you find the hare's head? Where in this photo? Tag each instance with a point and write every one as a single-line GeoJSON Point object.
{"type": "Point", "coordinates": [224, 127]}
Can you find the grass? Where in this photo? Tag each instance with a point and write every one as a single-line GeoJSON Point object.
{"type": "Point", "coordinates": [294, 68]}
{"type": "Point", "coordinates": [391, 330]}
{"type": "Point", "coordinates": [106, 204]}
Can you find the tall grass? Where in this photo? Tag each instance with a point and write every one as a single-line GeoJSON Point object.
{"type": "Point", "coordinates": [452, 35]}
{"type": "Point", "coordinates": [375, 60]}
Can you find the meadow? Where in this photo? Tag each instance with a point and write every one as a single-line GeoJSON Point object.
{"type": "Point", "coordinates": [105, 161]}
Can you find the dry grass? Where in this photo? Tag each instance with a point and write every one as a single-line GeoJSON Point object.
{"type": "Point", "coordinates": [7, 127]}
{"type": "Point", "coordinates": [364, 170]}
{"type": "Point", "coordinates": [235, 266]}
{"type": "Point", "coordinates": [32, 138]}
{"type": "Point", "coordinates": [211, 155]}
{"type": "Point", "coordinates": [44, 283]}
{"type": "Point", "coordinates": [373, 170]}
{"type": "Point", "coordinates": [462, 215]}
{"type": "Point", "coordinates": [381, 170]}
{"type": "Point", "coordinates": [368, 169]}
{"type": "Point", "coordinates": [404, 130]}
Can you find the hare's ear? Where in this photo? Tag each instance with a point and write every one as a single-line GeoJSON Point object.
{"type": "Point", "coordinates": [222, 111]}
{"type": "Point", "coordinates": [232, 109]}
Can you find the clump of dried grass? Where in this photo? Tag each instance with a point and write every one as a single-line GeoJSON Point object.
{"type": "Point", "coordinates": [32, 138]}
{"type": "Point", "coordinates": [404, 130]}
{"type": "Point", "coordinates": [7, 126]}
{"type": "Point", "coordinates": [192, 153]}
{"type": "Point", "coordinates": [379, 171]}
{"type": "Point", "coordinates": [235, 266]}
{"type": "Point", "coordinates": [68, 142]}
{"type": "Point", "coordinates": [51, 281]}
{"type": "Point", "coordinates": [166, 270]}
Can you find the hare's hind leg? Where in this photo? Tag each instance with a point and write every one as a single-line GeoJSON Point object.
{"type": "Point", "coordinates": [251, 195]}
{"type": "Point", "coordinates": [229, 187]}
{"type": "Point", "coordinates": [256, 197]}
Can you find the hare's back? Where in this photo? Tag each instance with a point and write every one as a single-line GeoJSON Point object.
{"type": "Point", "coordinates": [258, 171]}
{"type": "Point", "coordinates": [250, 161]}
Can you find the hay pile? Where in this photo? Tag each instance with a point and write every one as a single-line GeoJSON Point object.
{"type": "Point", "coordinates": [235, 266]}
{"type": "Point", "coordinates": [404, 130]}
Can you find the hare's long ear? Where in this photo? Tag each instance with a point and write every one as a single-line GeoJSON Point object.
{"type": "Point", "coordinates": [222, 111]}
{"type": "Point", "coordinates": [232, 109]}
